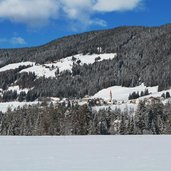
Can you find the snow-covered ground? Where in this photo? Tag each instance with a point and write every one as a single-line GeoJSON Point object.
{"type": "Point", "coordinates": [17, 88]}
{"type": "Point", "coordinates": [156, 94]}
{"type": "Point", "coordinates": [122, 93]}
{"type": "Point", "coordinates": [40, 71]}
{"type": "Point", "coordinates": [15, 66]}
{"type": "Point", "coordinates": [125, 107]}
{"type": "Point", "coordinates": [12, 105]}
{"type": "Point", "coordinates": [48, 70]}
{"type": "Point", "coordinates": [88, 153]}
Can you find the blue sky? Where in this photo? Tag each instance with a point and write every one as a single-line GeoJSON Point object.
{"type": "Point", "coordinates": [25, 23]}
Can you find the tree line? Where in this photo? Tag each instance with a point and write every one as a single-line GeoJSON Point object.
{"type": "Point", "coordinates": [58, 119]}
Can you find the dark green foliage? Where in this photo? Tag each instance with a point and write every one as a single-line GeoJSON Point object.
{"type": "Point", "coordinates": [167, 95]}
{"type": "Point", "coordinates": [136, 95]}
{"type": "Point", "coordinates": [146, 92]}
{"type": "Point", "coordinates": [140, 117]}
{"type": "Point", "coordinates": [25, 80]}
{"type": "Point", "coordinates": [123, 128]}
{"type": "Point", "coordinates": [31, 96]}
{"type": "Point", "coordinates": [151, 119]}
{"type": "Point", "coordinates": [22, 96]}
{"type": "Point", "coordinates": [143, 55]}
{"type": "Point", "coordinates": [142, 93]}
{"type": "Point", "coordinates": [9, 96]}
{"type": "Point", "coordinates": [10, 76]}
{"type": "Point", "coordinates": [50, 119]}
{"type": "Point", "coordinates": [130, 128]}
{"type": "Point", "coordinates": [163, 95]}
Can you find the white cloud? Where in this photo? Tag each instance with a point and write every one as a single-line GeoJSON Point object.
{"type": "Point", "coordinates": [14, 41]}
{"type": "Point", "coordinates": [77, 11]}
{"type": "Point", "coordinates": [17, 41]}
{"type": "Point", "coordinates": [39, 12]}
{"type": "Point", "coordinates": [116, 5]}
{"type": "Point", "coordinates": [31, 12]}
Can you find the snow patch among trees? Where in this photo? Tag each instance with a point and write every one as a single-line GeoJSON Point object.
{"type": "Point", "coordinates": [13, 105]}
{"type": "Point", "coordinates": [17, 88]}
{"type": "Point", "coordinates": [122, 93]}
{"type": "Point", "coordinates": [52, 69]}
{"type": "Point", "coordinates": [15, 66]}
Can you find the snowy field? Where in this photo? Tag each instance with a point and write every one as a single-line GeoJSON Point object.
{"type": "Point", "coordinates": [15, 66]}
{"type": "Point", "coordinates": [122, 93]}
{"type": "Point", "coordinates": [12, 105]}
{"type": "Point", "coordinates": [88, 153]}
{"type": "Point", "coordinates": [48, 70]}
{"type": "Point", "coordinates": [67, 64]}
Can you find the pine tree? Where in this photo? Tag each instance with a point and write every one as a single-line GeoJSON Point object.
{"type": "Point", "coordinates": [167, 95]}
{"type": "Point", "coordinates": [21, 96]}
{"type": "Point", "coordinates": [142, 93]}
{"type": "Point", "coordinates": [139, 117]}
{"type": "Point", "coordinates": [122, 128]}
{"type": "Point", "coordinates": [146, 92]}
{"type": "Point", "coordinates": [163, 95]}
{"type": "Point", "coordinates": [131, 126]}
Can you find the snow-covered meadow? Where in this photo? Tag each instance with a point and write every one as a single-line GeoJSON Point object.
{"type": "Point", "coordinates": [49, 69]}
{"type": "Point", "coordinates": [88, 153]}
{"type": "Point", "coordinates": [13, 105]}
{"type": "Point", "coordinates": [119, 93]}
{"type": "Point", "coordinates": [122, 93]}
{"type": "Point", "coordinates": [15, 66]}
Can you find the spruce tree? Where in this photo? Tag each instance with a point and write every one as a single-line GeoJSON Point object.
{"type": "Point", "coordinates": [167, 95]}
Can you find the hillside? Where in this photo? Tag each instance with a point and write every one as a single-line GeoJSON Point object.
{"type": "Point", "coordinates": [143, 56]}
{"type": "Point", "coordinates": [114, 81]}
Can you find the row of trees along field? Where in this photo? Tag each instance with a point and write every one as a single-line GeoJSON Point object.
{"type": "Point", "coordinates": [50, 119]}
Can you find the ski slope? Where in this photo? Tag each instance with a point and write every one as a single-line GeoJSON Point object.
{"type": "Point", "coordinates": [88, 153]}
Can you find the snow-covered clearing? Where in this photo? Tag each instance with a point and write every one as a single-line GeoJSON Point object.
{"type": "Point", "coordinates": [156, 94]}
{"type": "Point", "coordinates": [12, 105]}
{"type": "Point", "coordinates": [17, 88]}
{"type": "Point", "coordinates": [88, 153]}
{"type": "Point", "coordinates": [40, 71]}
{"type": "Point", "coordinates": [15, 66]}
{"type": "Point", "coordinates": [122, 93]}
{"type": "Point", "coordinates": [48, 70]}
{"type": "Point", "coordinates": [67, 63]}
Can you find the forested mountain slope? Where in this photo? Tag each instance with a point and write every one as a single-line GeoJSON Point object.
{"type": "Point", "coordinates": [143, 56]}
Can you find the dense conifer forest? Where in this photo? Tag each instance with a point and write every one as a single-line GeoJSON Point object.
{"type": "Point", "coordinates": [143, 56]}
{"type": "Point", "coordinates": [55, 119]}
